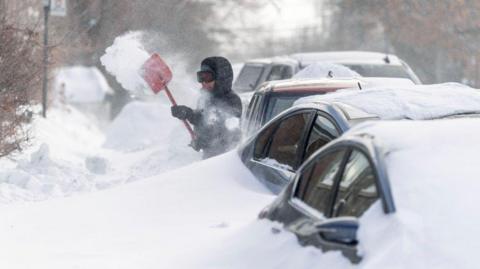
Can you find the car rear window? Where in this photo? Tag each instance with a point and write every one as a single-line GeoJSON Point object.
{"type": "Point", "coordinates": [379, 70]}
{"type": "Point", "coordinates": [248, 78]}
{"type": "Point", "coordinates": [279, 103]}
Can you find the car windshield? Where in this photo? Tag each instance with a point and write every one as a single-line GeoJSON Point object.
{"type": "Point", "coordinates": [379, 70]}
{"type": "Point", "coordinates": [279, 103]}
{"type": "Point", "coordinates": [248, 78]}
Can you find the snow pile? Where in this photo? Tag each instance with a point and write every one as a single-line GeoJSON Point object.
{"type": "Point", "coordinates": [54, 164]}
{"type": "Point", "coordinates": [325, 70]}
{"type": "Point", "coordinates": [433, 169]}
{"type": "Point", "coordinates": [124, 60]}
{"type": "Point", "coordinates": [147, 131]}
{"type": "Point", "coordinates": [144, 124]}
{"type": "Point", "coordinates": [81, 84]}
{"type": "Point", "coordinates": [414, 102]}
{"type": "Point", "coordinates": [146, 224]}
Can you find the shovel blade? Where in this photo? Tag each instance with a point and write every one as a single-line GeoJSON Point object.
{"type": "Point", "coordinates": [156, 73]}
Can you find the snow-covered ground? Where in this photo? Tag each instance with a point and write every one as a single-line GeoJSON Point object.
{"type": "Point", "coordinates": [130, 207]}
{"type": "Point", "coordinates": [137, 196]}
{"type": "Point", "coordinates": [133, 196]}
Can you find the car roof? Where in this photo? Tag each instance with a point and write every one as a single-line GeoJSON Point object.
{"type": "Point", "coordinates": [418, 102]}
{"type": "Point", "coordinates": [351, 113]}
{"type": "Point", "coordinates": [308, 85]}
{"type": "Point", "coordinates": [273, 60]}
{"type": "Point", "coordinates": [347, 57]}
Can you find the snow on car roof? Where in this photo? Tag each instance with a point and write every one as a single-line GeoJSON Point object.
{"type": "Point", "coordinates": [309, 84]}
{"type": "Point", "coordinates": [276, 59]}
{"type": "Point", "coordinates": [365, 57]}
{"type": "Point", "coordinates": [372, 82]}
{"type": "Point", "coordinates": [433, 169]}
{"type": "Point", "coordinates": [409, 102]}
{"type": "Point", "coordinates": [324, 70]}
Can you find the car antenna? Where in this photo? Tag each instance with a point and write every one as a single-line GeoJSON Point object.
{"type": "Point", "coordinates": [359, 85]}
{"type": "Point", "coordinates": [386, 59]}
{"type": "Point", "coordinates": [330, 74]}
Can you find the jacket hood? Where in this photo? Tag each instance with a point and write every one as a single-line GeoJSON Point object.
{"type": "Point", "coordinates": [223, 74]}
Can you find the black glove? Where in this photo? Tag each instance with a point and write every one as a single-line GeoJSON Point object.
{"type": "Point", "coordinates": [182, 112]}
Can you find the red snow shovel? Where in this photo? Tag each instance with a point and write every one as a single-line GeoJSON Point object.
{"type": "Point", "coordinates": [157, 74]}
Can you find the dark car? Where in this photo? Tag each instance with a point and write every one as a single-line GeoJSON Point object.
{"type": "Point", "coordinates": [276, 96]}
{"type": "Point", "coordinates": [408, 187]}
{"type": "Point", "coordinates": [330, 192]}
{"type": "Point", "coordinates": [275, 152]}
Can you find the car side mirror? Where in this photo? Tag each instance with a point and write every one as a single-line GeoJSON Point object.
{"type": "Point", "coordinates": [339, 230]}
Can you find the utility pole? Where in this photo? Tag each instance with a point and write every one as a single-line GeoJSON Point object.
{"type": "Point", "coordinates": [46, 13]}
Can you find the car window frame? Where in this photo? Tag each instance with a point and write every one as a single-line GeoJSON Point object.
{"type": "Point", "coordinates": [328, 117]}
{"type": "Point", "coordinates": [336, 186]}
{"type": "Point", "coordinates": [306, 208]}
{"type": "Point", "coordinates": [277, 123]}
{"type": "Point", "coordinates": [334, 191]}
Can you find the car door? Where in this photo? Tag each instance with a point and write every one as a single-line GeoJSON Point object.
{"type": "Point", "coordinates": [340, 183]}
{"type": "Point", "coordinates": [278, 149]}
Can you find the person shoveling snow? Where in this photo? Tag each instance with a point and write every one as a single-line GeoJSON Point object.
{"type": "Point", "coordinates": [217, 116]}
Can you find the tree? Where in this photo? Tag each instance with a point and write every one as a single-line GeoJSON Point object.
{"type": "Point", "coordinates": [20, 76]}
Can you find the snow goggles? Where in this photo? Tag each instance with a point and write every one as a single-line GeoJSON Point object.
{"type": "Point", "coordinates": [205, 76]}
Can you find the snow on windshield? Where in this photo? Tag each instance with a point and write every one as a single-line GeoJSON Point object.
{"type": "Point", "coordinates": [325, 70]}
{"type": "Point", "coordinates": [412, 102]}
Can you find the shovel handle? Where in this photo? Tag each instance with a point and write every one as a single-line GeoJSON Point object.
{"type": "Point", "coordinates": [172, 100]}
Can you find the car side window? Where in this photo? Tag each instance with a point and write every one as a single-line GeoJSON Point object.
{"type": "Point", "coordinates": [287, 140]}
{"type": "Point", "coordinates": [262, 141]}
{"type": "Point", "coordinates": [276, 73]}
{"type": "Point", "coordinates": [315, 185]}
{"type": "Point", "coordinates": [357, 190]}
{"type": "Point", "coordinates": [322, 132]}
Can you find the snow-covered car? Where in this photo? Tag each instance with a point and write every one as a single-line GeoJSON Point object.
{"type": "Point", "coordinates": [402, 194]}
{"type": "Point", "coordinates": [366, 64]}
{"type": "Point", "coordinates": [274, 153]}
{"type": "Point", "coordinates": [276, 96]}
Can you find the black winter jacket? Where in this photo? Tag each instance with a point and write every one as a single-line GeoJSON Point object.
{"type": "Point", "coordinates": [216, 119]}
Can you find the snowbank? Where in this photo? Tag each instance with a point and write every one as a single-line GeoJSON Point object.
{"type": "Point", "coordinates": [412, 102]}
{"type": "Point", "coordinates": [147, 131]}
{"type": "Point", "coordinates": [53, 165]}
{"type": "Point", "coordinates": [146, 224]}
